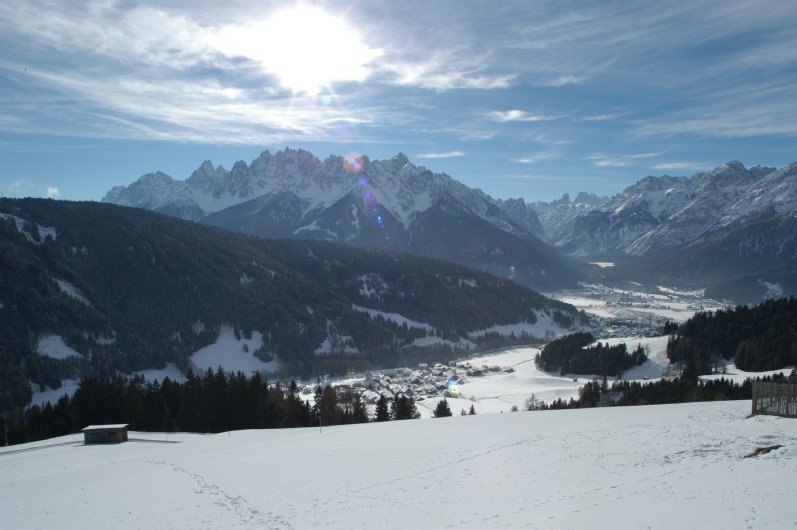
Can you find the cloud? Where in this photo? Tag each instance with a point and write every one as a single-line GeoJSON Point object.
{"type": "Point", "coordinates": [17, 188]}
{"type": "Point", "coordinates": [212, 73]}
{"type": "Point", "coordinates": [442, 74]}
{"type": "Point", "coordinates": [563, 80]}
{"type": "Point", "coordinates": [446, 154]}
{"type": "Point", "coordinates": [516, 115]}
{"type": "Point", "coordinates": [536, 157]}
{"type": "Point", "coordinates": [53, 192]}
{"type": "Point", "coordinates": [603, 160]}
{"type": "Point", "coordinates": [602, 117]}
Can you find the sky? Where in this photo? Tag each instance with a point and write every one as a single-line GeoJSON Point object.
{"type": "Point", "coordinates": [520, 99]}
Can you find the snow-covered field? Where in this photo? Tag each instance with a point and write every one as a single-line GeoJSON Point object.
{"type": "Point", "coordinates": [732, 373]}
{"type": "Point", "coordinates": [644, 306]}
{"type": "Point", "coordinates": [52, 395]}
{"type": "Point", "coordinates": [497, 392]}
{"type": "Point", "coordinates": [669, 466]}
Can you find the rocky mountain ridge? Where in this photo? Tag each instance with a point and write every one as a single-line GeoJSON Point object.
{"type": "Point", "coordinates": [664, 213]}
{"type": "Point", "coordinates": [385, 203]}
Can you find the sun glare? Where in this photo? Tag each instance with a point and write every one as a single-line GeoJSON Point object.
{"type": "Point", "coordinates": [305, 47]}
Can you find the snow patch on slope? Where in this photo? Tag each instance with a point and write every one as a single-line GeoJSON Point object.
{"type": "Point", "coordinates": [434, 341]}
{"type": "Point", "coordinates": [544, 328]}
{"type": "Point", "coordinates": [774, 290]}
{"type": "Point", "coordinates": [73, 291]}
{"type": "Point", "coordinates": [739, 376]}
{"type": "Point", "coordinates": [233, 354]}
{"type": "Point", "coordinates": [52, 395]}
{"type": "Point", "coordinates": [393, 317]}
{"type": "Point", "coordinates": [171, 371]}
{"type": "Point", "coordinates": [53, 346]}
{"type": "Point", "coordinates": [21, 224]}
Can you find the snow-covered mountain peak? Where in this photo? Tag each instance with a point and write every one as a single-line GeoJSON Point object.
{"type": "Point", "coordinates": [777, 189]}
{"type": "Point", "coordinates": [657, 213]}
{"type": "Point", "coordinates": [400, 160]}
{"type": "Point", "coordinates": [404, 189]}
{"type": "Point", "coordinates": [151, 191]}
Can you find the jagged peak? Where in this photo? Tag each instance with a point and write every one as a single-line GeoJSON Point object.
{"type": "Point", "coordinates": [157, 176]}
{"type": "Point", "coordinates": [265, 155]}
{"type": "Point", "coordinates": [239, 166]}
{"type": "Point", "coordinates": [735, 165]}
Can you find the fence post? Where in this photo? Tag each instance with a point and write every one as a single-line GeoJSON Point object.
{"type": "Point", "coordinates": [778, 399]}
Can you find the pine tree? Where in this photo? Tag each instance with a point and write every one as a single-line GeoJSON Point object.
{"type": "Point", "coordinates": [382, 412]}
{"type": "Point", "coordinates": [442, 409]}
{"type": "Point", "coordinates": [472, 411]}
{"type": "Point", "coordinates": [358, 412]}
{"type": "Point", "coordinates": [403, 408]}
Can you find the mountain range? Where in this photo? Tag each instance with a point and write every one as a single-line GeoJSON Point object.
{"type": "Point", "coordinates": [658, 229]}
{"type": "Point", "coordinates": [390, 204]}
{"type": "Point", "coordinates": [731, 229]}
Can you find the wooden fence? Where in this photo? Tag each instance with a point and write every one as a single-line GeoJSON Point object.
{"type": "Point", "coordinates": [775, 399]}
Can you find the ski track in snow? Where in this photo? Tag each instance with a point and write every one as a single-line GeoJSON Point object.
{"type": "Point", "coordinates": [238, 505]}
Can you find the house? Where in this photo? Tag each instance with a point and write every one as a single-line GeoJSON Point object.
{"type": "Point", "coordinates": [105, 434]}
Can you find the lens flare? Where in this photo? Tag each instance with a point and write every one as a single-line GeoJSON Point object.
{"type": "Point", "coordinates": [452, 386]}
{"type": "Point", "coordinates": [353, 162]}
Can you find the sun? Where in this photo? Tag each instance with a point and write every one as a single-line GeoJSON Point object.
{"type": "Point", "coordinates": [306, 48]}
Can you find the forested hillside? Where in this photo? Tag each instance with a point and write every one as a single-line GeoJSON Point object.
{"type": "Point", "coordinates": [571, 355]}
{"type": "Point", "coordinates": [758, 338]}
{"type": "Point", "coordinates": [120, 289]}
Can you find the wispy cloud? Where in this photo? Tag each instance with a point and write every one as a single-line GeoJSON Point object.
{"type": "Point", "coordinates": [604, 160]}
{"type": "Point", "coordinates": [18, 188]}
{"type": "Point", "coordinates": [431, 75]}
{"type": "Point", "coordinates": [563, 80]}
{"type": "Point", "coordinates": [443, 154]}
{"type": "Point", "coordinates": [536, 157]}
{"type": "Point", "coordinates": [166, 71]}
{"type": "Point", "coordinates": [505, 116]}
{"type": "Point", "coordinates": [53, 192]}
{"type": "Point", "coordinates": [603, 117]}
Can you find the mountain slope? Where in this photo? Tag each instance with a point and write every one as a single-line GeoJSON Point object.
{"type": "Point", "coordinates": [752, 258]}
{"type": "Point", "coordinates": [387, 203]}
{"type": "Point", "coordinates": [89, 288]}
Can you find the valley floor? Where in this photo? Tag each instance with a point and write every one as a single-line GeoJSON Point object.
{"type": "Point", "coordinates": [669, 466]}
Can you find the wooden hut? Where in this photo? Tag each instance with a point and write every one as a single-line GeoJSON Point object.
{"type": "Point", "coordinates": [105, 434]}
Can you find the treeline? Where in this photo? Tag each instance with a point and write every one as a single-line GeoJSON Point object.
{"type": "Point", "coordinates": [663, 391]}
{"type": "Point", "coordinates": [209, 403]}
{"type": "Point", "coordinates": [758, 338]}
{"type": "Point", "coordinates": [568, 355]}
